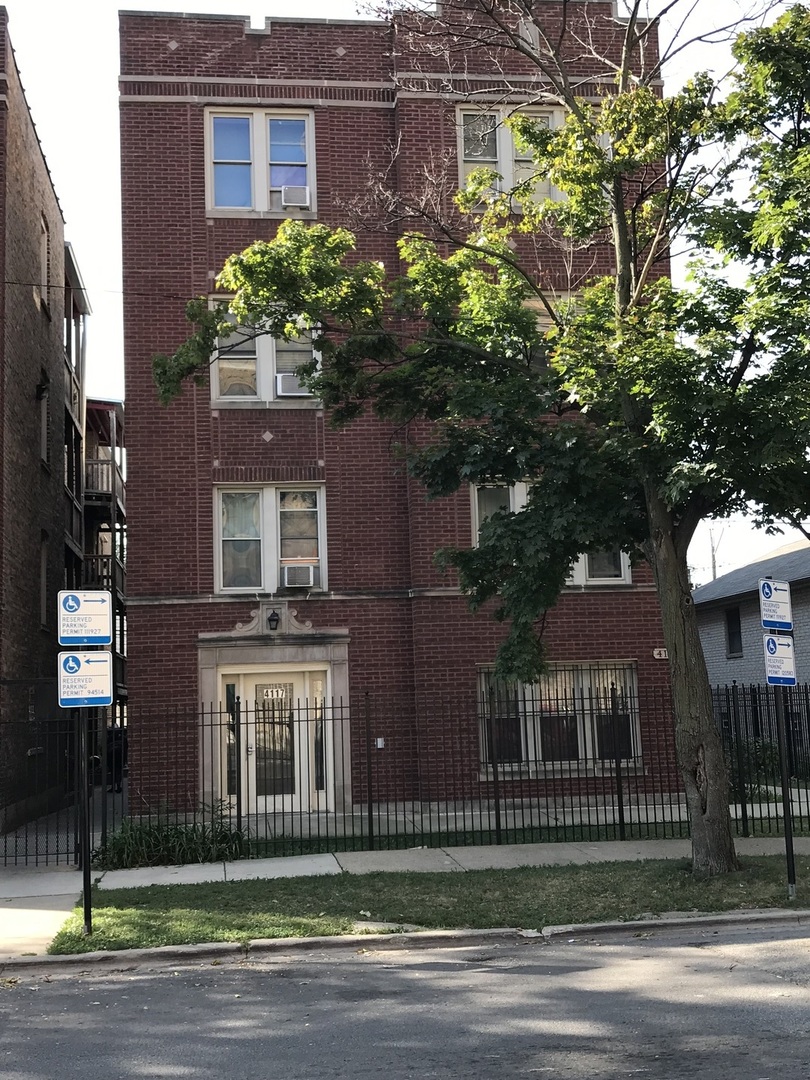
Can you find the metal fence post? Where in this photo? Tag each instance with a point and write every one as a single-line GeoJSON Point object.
{"type": "Point", "coordinates": [369, 767]}
{"type": "Point", "coordinates": [617, 758]}
{"type": "Point", "coordinates": [735, 724]}
{"type": "Point", "coordinates": [493, 749]}
{"type": "Point", "coordinates": [237, 741]}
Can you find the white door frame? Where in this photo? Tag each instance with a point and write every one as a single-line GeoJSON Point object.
{"type": "Point", "coordinates": [305, 704]}
{"type": "Point", "coordinates": [295, 645]}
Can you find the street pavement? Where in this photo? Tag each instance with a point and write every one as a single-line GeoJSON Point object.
{"type": "Point", "coordinates": [35, 902]}
{"type": "Point", "coordinates": [692, 1004]}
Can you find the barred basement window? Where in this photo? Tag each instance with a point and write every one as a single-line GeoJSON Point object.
{"type": "Point", "coordinates": [576, 712]}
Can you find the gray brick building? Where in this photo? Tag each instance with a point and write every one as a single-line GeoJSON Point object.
{"type": "Point", "coordinates": [729, 618]}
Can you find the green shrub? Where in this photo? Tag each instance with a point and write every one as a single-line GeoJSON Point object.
{"type": "Point", "coordinates": [160, 841]}
{"type": "Point", "coordinates": [760, 770]}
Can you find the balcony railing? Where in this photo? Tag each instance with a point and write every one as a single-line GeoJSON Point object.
{"type": "Point", "coordinates": [73, 519]}
{"type": "Point", "coordinates": [98, 478]}
{"type": "Point", "coordinates": [98, 571]}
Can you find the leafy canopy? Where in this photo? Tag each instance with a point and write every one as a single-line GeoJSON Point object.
{"type": "Point", "coordinates": [625, 402]}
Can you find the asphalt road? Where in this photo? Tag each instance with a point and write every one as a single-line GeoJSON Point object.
{"type": "Point", "coordinates": [727, 1005]}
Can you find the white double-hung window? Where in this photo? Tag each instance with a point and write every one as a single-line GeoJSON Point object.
{"type": "Point", "coordinates": [485, 142]}
{"type": "Point", "coordinates": [270, 538]}
{"type": "Point", "coordinates": [260, 160]}
{"type": "Point", "coordinates": [259, 368]}
{"type": "Point", "coordinates": [594, 568]}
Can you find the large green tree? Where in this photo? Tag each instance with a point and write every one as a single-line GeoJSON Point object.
{"type": "Point", "coordinates": [635, 409]}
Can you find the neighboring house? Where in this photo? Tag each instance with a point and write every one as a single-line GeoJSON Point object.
{"type": "Point", "coordinates": [729, 617]}
{"type": "Point", "coordinates": [274, 563]}
{"type": "Point", "coordinates": [43, 311]}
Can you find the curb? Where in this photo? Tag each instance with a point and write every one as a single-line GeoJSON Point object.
{"type": "Point", "coordinates": [679, 922]}
{"type": "Point", "coordinates": [115, 960]}
{"type": "Point", "coordinates": [231, 950]}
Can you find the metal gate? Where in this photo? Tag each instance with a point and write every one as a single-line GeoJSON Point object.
{"type": "Point", "coordinates": [40, 788]}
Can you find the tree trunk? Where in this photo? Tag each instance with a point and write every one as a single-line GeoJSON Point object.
{"type": "Point", "coordinates": [697, 740]}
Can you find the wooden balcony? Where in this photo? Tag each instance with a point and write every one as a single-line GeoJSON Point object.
{"type": "Point", "coordinates": [98, 573]}
{"type": "Point", "coordinates": [99, 476]}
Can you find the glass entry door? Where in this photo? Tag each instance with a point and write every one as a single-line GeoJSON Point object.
{"type": "Point", "coordinates": [275, 740]}
{"type": "Point", "coordinates": [283, 748]}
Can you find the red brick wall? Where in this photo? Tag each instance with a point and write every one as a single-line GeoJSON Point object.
{"type": "Point", "coordinates": [382, 533]}
{"type": "Point", "coordinates": [31, 496]}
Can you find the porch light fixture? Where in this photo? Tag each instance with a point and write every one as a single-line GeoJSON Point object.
{"type": "Point", "coordinates": [273, 619]}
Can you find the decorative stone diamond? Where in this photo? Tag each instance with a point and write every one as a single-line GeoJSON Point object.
{"type": "Point", "coordinates": [268, 435]}
{"type": "Point", "coordinates": [340, 51]}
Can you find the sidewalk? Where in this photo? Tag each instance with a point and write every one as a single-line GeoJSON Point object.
{"type": "Point", "coordinates": [34, 903]}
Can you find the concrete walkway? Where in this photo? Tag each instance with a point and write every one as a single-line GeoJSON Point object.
{"type": "Point", "coordinates": [34, 903]}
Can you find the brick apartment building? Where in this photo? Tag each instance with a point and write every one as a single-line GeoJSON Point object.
{"type": "Point", "coordinates": [43, 310]}
{"type": "Point", "coordinates": [273, 559]}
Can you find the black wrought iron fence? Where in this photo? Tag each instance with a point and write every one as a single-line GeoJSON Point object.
{"type": "Point", "coordinates": [747, 719]}
{"type": "Point", "coordinates": [285, 776]}
{"type": "Point", "coordinates": [40, 786]}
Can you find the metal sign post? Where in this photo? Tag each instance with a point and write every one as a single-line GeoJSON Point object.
{"type": "Point", "coordinates": [786, 804]}
{"type": "Point", "coordinates": [85, 678]}
{"type": "Point", "coordinates": [84, 820]}
{"type": "Point", "coordinates": [780, 670]}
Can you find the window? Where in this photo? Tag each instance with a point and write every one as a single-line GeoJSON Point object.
{"type": "Point", "coordinates": [486, 142]}
{"type": "Point", "coordinates": [734, 645]}
{"type": "Point", "coordinates": [41, 291]}
{"type": "Point", "coordinates": [489, 498]}
{"type": "Point", "coordinates": [260, 161]}
{"type": "Point", "coordinates": [574, 713]}
{"type": "Point", "coordinates": [601, 568]}
{"type": "Point", "coordinates": [263, 368]}
{"type": "Point", "coordinates": [594, 568]}
{"type": "Point", "coordinates": [44, 403]}
{"type": "Point", "coordinates": [271, 538]}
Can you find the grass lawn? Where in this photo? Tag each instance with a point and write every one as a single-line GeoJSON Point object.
{"type": "Point", "coordinates": [529, 898]}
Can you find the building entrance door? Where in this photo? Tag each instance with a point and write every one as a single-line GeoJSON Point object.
{"type": "Point", "coordinates": [283, 748]}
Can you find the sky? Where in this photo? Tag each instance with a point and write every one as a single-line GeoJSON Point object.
{"type": "Point", "coordinates": [67, 53]}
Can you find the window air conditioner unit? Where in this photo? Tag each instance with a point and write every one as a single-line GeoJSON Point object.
{"type": "Point", "coordinates": [295, 195]}
{"type": "Point", "coordinates": [298, 575]}
{"type": "Point", "coordinates": [287, 385]}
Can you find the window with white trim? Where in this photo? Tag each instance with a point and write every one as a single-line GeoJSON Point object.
{"type": "Point", "coordinates": [42, 290]}
{"type": "Point", "coordinates": [486, 142]}
{"type": "Point", "coordinates": [260, 161]}
{"type": "Point", "coordinates": [489, 498]}
{"type": "Point", "coordinates": [270, 538]}
{"type": "Point", "coordinates": [575, 712]}
{"type": "Point", "coordinates": [593, 568]}
{"type": "Point", "coordinates": [602, 568]}
{"type": "Point", "coordinates": [260, 368]}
